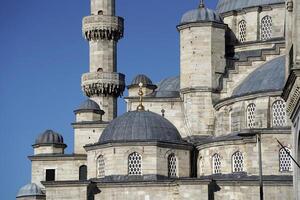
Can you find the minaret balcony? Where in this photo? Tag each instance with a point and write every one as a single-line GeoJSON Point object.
{"type": "Point", "coordinates": [102, 27]}
{"type": "Point", "coordinates": [103, 84]}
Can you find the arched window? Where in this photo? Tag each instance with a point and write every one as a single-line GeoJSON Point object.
{"type": "Point", "coordinates": [250, 115]}
{"type": "Point", "coordinates": [135, 164]}
{"type": "Point", "coordinates": [285, 162]}
{"type": "Point", "coordinates": [83, 172]}
{"type": "Point", "coordinates": [279, 113]}
{"type": "Point", "coordinates": [242, 31]}
{"type": "Point", "coordinates": [100, 167]}
{"type": "Point", "coordinates": [266, 28]}
{"type": "Point", "coordinates": [216, 163]}
{"type": "Point", "coordinates": [172, 166]}
{"type": "Point", "coordinates": [237, 162]}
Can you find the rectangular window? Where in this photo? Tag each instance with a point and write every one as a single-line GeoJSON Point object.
{"type": "Point", "coordinates": [50, 174]}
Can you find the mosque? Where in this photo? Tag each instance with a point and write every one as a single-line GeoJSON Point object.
{"type": "Point", "coordinates": [217, 131]}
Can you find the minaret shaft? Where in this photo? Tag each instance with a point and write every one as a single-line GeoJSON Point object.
{"type": "Point", "coordinates": [103, 30]}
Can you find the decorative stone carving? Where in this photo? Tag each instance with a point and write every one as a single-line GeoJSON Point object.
{"type": "Point", "coordinates": [100, 27]}
{"type": "Point", "coordinates": [103, 84]}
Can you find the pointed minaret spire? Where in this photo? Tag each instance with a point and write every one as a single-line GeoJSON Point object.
{"type": "Point", "coordinates": [201, 5]}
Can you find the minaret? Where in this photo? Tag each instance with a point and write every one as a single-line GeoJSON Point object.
{"type": "Point", "coordinates": [102, 29]}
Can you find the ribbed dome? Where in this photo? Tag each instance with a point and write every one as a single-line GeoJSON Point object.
{"type": "Point", "coordinates": [268, 77]}
{"type": "Point", "coordinates": [230, 5]}
{"type": "Point", "coordinates": [201, 14]}
{"type": "Point", "coordinates": [141, 78]}
{"type": "Point", "coordinates": [30, 189]}
{"type": "Point", "coordinates": [140, 126]}
{"type": "Point", "coordinates": [88, 106]}
{"type": "Point", "coordinates": [49, 137]}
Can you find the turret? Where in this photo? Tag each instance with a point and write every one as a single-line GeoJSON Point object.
{"type": "Point", "coordinates": [102, 29]}
{"type": "Point", "coordinates": [202, 61]}
{"type": "Point", "coordinates": [31, 191]}
{"type": "Point", "coordinates": [147, 88]}
{"type": "Point", "coordinates": [49, 142]}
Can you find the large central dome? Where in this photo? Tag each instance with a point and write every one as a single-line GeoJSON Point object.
{"type": "Point", "coordinates": [140, 126]}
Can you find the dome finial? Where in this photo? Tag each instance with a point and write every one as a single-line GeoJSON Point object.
{"type": "Point", "coordinates": [201, 5]}
{"type": "Point", "coordinates": [140, 106]}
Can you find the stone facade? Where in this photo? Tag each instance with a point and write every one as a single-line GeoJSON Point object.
{"type": "Point", "coordinates": [198, 135]}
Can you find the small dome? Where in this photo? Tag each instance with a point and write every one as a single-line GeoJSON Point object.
{"type": "Point", "coordinates": [140, 126]}
{"type": "Point", "coordinates": [49, 137]}
{"type": "Point", "coordinates": [30, 189]}
{"type": "Point", "coordinates": [267, 78]}
{"type": "Point", "coordinates": [202, 14]}
{"type": "Point", "coordinates": [168, 87]}
{"type": "Point", "coordinates": [89, 106]}
{"type": "Point", "coordinates": [141, 78]}
{"type": "Point", "coordinates": [230, 5]}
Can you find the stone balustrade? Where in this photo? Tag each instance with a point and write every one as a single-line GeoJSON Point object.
{"type": "Point", "coordinates": [103, 84]}
{"type": "Point", "coordinates": [99, 27]}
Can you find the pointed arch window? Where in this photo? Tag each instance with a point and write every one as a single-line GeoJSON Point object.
{"type": "Point", "coordinates": [266, 27]}
{"type": "Point", "coordinates": [216, 163]}
{"type": "Point", "coordinates": [250, 115]}
{"type": "Point", "coordinates": [134, 164]}
{"type": "Point", "coordinates": [242, 30]}
{"type": "Point", "coordinates": [285, 162]}
{"type": "Point", "coordinates": [237, 162]}
{"type": "Point", "coordinates": [100, 167]}
{"type": "Point", "coordinates": [279, 114]}
{"type": "Point", "coordinates": [172, 166]}
{"type": "Point", "coordinates": [83, 172]}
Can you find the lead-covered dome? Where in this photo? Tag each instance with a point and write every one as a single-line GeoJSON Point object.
{"type": "Point", "coordinates": [30, 189]}
{"type": "Point", "coordinates": [89, 106]}
{"type": "Point", "coordinates": [49, 137]}
{"type": "Point", "coordinates": [140, 126]}
{"type": "Point", "coordinates": [230, 5]}
{"type": "Point", "coordinates": [141, 78]}
{"type": "Point", "coordinates": [267, 78]}
{"type": "Point", "coordinates": [201, 14]}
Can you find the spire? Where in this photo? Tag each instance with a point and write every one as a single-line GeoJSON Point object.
{"type": "Point", "coordinates": [201, 5]}
{"type": "Point", "coordinates": [140, 106]}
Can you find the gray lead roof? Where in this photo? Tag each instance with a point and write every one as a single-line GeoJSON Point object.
{"type": "Point", "coordinates": [268, 77]}
{"type": "Point", "coordinates": [140, 126]}
{"type": "Point", "coordinates": [168, 88]}
{"type": "Point", "coordinates": [49, 137]}
{"type": "Point", "coordinates": [230, 5]}
{"type": "Point", "coordinates": [201, 14]}
{"type": "Point", "coordinates": [141, 78]}
{"type": "Point", "coordinates": [30, 189]}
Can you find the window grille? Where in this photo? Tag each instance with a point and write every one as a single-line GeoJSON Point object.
{"type": "Point", "coordinates": [279, 113]}
{"type": "Point", "coordinates": [100, 167]}
{"type": "Point", "coordinates": [237, 162]}
{"type": "Point", "coordinates": [266, 28]}
{"type": "Point", "coordinates": [242, 31]}
{"type": "Point", "coordinates": [251, 115]}
{"type": "Point", "coordinates": [135, 164]}
{"type": "Point", "coordinates": [285, 163]}
{"type": "Point", "coordinates": [172, 166]}
{"type": "Point", "coordinates": [216, 161]}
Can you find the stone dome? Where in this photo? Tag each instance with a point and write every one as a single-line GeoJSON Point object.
{"type": "Point", "coordinates": [267, 78]}
{"type": "Point", "coordinates": [141, 78]}
{"type": "Point", "coordinates": [201, 14]}
{"type": "Point", "coordinates": [230, 5]}
{"type": "Point", "coordinates": [140, 126]}
{"type": "Point", "coordinates": [89, 106]}
{"type": "Point", "coordinates": [30, 189]}
{"type": "Point", "coordinates": [50, 137]}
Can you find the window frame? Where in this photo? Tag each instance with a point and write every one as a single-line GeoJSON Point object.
{"type": "Point", "coordinates": [233, 162]}
{"type": "Point", "coordinates": [242, 37]}
{"type": "Point", "coordinates": [138, 172]}
{"type": "Point", "coordinates": [214, 171]}
{"type": "Point", "coordinates": [100, 173]}
{"type": "Point", "coordinates": [290, 160]}
{"type": "Point", "coordinates": [172, 155]}
{"type": "Point", "coordinates": [270, 26]}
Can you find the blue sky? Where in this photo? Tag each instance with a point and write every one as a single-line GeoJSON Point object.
{"type": "Point", "coordinates": [43, 55]}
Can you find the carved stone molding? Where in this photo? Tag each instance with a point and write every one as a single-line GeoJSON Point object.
{"type": "Point", "coordinates": [102, 27]}
{"type": "Point", "coordinates": [294, 97]}
{"type": "Point", "coordinates": [103, 84]}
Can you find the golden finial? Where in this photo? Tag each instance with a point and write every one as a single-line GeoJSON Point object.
{"type": "Point", "coordinates": [141, 93]}
{"type": "Point", "coordinates": [201, 5]}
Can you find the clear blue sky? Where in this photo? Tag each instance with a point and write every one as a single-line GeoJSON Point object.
{"type": "Point", "coordinates": [42, 57]}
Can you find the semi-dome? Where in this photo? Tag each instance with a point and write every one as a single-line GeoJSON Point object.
{"type": "Point", "coordinates": [201, 14]}
{"type": "Point", "coordinates": [140, 126]}
{"type": "Point", "coordinates": [49, 137]}
{"type": "Point", "coordinates": [141, 78]}
{"type": "Point", "coordinates": [230, 5]}
{"type": "Point", "coordinates": [88, 106]}
{"type": "Point", "coordinates": [30, 189]}
{"type": "Point", "coordinates": [267, 78]}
